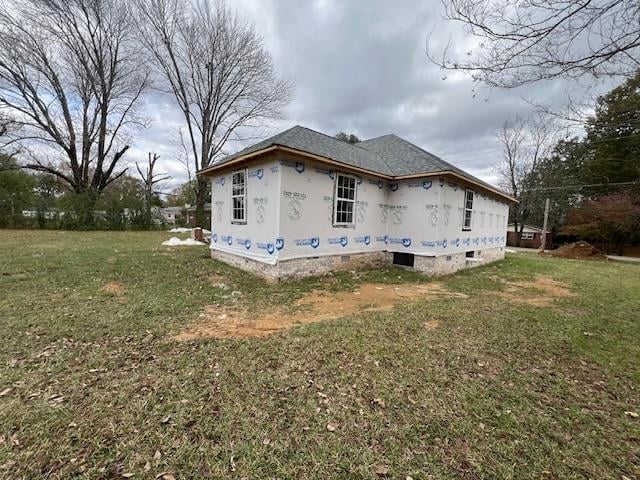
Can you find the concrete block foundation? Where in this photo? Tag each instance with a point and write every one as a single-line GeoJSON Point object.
{"type": "Point", "coordinates": [311, 266]}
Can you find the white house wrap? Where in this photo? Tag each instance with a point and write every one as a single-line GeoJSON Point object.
{"type": "Point", "coordinates": [303, 203]}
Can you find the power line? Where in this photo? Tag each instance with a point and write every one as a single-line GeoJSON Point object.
{"type": "Point", "coordinates": [583, 186]}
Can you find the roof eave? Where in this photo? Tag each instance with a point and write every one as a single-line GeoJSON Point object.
{"type": "Point", "coordinates": [294, 151]}
{"type": "Point", "coordinates": [281, 148]}
{"type": "Point", "coordinates": [219, 166]}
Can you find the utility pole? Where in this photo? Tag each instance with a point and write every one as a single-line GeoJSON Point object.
{"type": "Point", "coordinates": [544, 226]}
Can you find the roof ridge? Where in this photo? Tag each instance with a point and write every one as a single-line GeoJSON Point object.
{"type": "Point", "coordinates": [409, 144]}
{"type": "Point", "coordinates": [331, 137]}
{"type": "Point", "coordinates": [379, 136]}
{"type": "Point", "coordinates": [416, 147]}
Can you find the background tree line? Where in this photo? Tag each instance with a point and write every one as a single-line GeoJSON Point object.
{"type": "Point", "coordinates": [73, 77]}
{"type": "Point", "coordinates": [593, 182]}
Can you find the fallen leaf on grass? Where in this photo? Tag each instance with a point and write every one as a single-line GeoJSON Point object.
{"type": "Point", "coordinates": [127, 475]}
{"type": "Point", "coordinates": [332, 426]}
{"type": "Point", "coordinates": [157, 455]}
{"type": "Point", "coordinates": [5, 391]}
{"type": "Point", "coordinates": [632, 414]}
{"type": "Point", "coordinates": [382, 470]}
{"type": "Point", "coordinates": [7, 465]}
{"type": "Point", "coordinates": [379, 402]}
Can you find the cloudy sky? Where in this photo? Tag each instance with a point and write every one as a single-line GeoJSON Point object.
{"type": "Point", "coordinates": [360, 67]}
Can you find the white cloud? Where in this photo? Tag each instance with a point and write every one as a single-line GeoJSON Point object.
{"type": "Point", "coordinates": [361, 67]}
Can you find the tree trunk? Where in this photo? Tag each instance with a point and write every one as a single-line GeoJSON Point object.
{"type": "Point", "coordinates": [201, 198]}
{"type": "Point", "coordinates": [517, 227]}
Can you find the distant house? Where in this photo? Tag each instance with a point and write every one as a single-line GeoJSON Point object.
{"type": "Point", "coordinates": [49, 214]}
{"type": "Point", "coordinates": [303, 203]}
{"type": "Point", "coordinates": [531, 237]}
{"type": "Point", "coordinates": [191, 215]}
{"type": "Point", "coordinates": [172, 214]}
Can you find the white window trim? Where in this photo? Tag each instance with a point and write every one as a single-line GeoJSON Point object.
{"type": "Point", "coordinates": [529, 236]}
{"type": "Point", "coordinates": [244, 196]}
{"type": "Point", "coordinates": [335, 201]}
{"type": "Point", "coordinates": [465, 209]}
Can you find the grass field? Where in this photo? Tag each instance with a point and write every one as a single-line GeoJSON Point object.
{"type": "Point", "coordinates": [92, 384]}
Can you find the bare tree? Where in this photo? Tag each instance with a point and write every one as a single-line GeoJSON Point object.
{"type": "Point", "coordinates": [150, 180]}
{"type": "Point", "coordinates": [217, 68]}
{"type": "Point", "coordinates": [5, 124]}
{"type": "Point", "coordinates": [524, 145]}
{"type": "Point", "coordinates": [71, 77]}
{"type": "Point", "coordinates": [524, 41]}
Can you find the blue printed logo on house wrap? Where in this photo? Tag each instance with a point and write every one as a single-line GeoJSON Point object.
{"type": "Point", "coordinates": [366, 239]}
{"type": "Point", "coordinates": [266, 246]}
{"type": "Point", "coordinates": [338, 241]}
{"type": "Point", "coordinates": [312, 242]}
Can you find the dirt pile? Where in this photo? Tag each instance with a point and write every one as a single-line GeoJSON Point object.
{"type": "Point", "coordinates": [578, 250]}
{"type": "Point", "coordinates": [316, 306]}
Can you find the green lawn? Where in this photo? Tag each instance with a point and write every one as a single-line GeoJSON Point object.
{"type": "Point", "coordinates": [91, 385]}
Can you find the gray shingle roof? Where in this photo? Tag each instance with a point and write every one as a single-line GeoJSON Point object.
{"type": "Point", "coordinates": [388, 155]}
{"type": "Point", "coordinates": [308, 140]}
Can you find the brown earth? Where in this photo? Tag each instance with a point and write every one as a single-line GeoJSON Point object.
{"type": "Point", "coordinates": [431, 324]}
{"type": "Point", "coordinates": [577, 250]}
{"type": "Point", "coordinates": [546, 290]}
{"type": "Point", "coordinates": [317, 306]}
{"type": "Point", "coordinates": [114, 288]}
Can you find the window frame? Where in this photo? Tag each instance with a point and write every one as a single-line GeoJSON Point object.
{"type": "Point", "coordinates": [529, 236]}
{"type": "Point", "coordinates": [465, 209]}
{"type": "Point", "coordinates": [242, 221]}
{"type": "Point", "coordinates": [337, 199]}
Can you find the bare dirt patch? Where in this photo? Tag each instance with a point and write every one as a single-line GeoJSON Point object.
{"type": "Point", "coordinates": [114, 288]}
{"type": "Point", "coordinates": [317, 306]}
{"type": "Point", "coordinates": [218, 281]}
{"type": "Point", "coordinates": [545, 291]}
{"type": "Point", "coordinates": [431, 324]}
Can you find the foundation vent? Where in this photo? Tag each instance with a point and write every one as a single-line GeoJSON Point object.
{"type": "Point", "coordinates": [403, 259]}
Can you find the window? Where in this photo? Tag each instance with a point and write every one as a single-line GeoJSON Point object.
{"type": "Point", "coordinates": [344, 201]}
{"type": "Point", "coordinates": [239, 197]}
{"type": "Point", "coordinates": [527, 236]}
{"type": "Point", "coordinates": [468, 209]}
